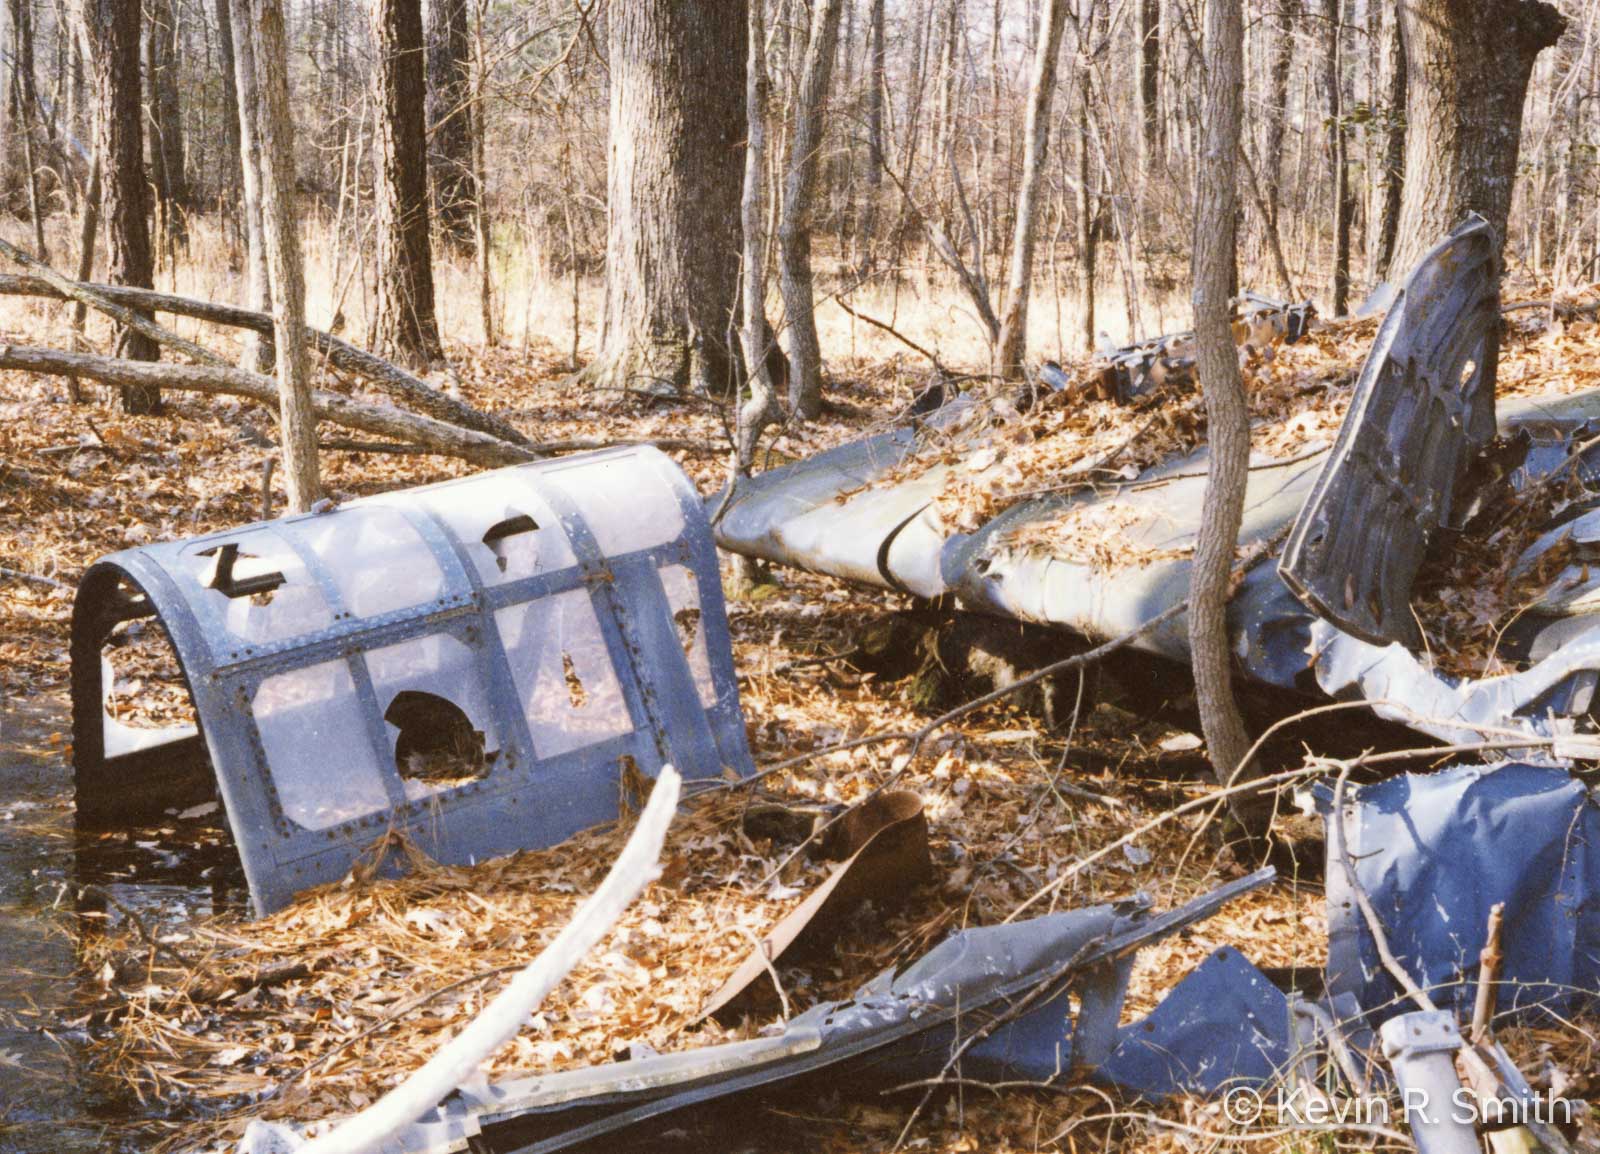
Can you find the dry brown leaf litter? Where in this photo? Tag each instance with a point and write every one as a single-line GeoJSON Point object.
{"type": "Point", "coordinates": [80, 481]}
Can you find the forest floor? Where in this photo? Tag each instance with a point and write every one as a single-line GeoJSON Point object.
{"type": "Point", "coordinates": [391, 968]}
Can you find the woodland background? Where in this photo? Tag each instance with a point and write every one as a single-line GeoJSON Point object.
{"type": "Point", "coordinates": [925, 124]}
{"type": "Point", "coordinates": [543, 209]}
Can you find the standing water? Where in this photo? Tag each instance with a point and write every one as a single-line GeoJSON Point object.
{"type": "Point", "coordinates": [48, 1098]}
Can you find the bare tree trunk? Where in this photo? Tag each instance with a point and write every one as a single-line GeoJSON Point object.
{"type": "Point", "coordinates": [1468, 64]}
{"type": "Point", "coordinates": [26, 108]}
{"type": "Point", "coordinates": [1086, 230]}
{"type": "Point", "coordinates": [944, 121]}
{"type": "Point", "coordinates": [996, 176]}
{"type": "Point", "coordinates": [876, 57]}
{"type": "Point", "coordinates": [11, 159]}
{"type": "Point", "coordinates": [1011, 349]}
{"type": "Point", "coordinates": [672, 250]}
{"type": "Point", "coordinates": [113, 31]}
{"type": "Point", "coordinates": [256, 356]}
{"type": "Point", "coordinates": [451, 120]}
{"type": "Point", "coordinates": [1150, 82]}
{"type": "Point", "coordinates": [88, 226]}
{"type": "Point", "coordinates": [1572, 168]}
{"type": "Point", "coordinates": [1227, 418]}
{"type": "Point", "coordinates": [794, 229]}
{"type": "Point", "coordinates": [761, 409]}
{"type": "Point", "coordinates": [166, 122]}
{"type": "Point", "coordinates": [483, 237]}
{"type": "Point", "coordinates": [1277, 106]}
{"type": "Point", "coordinates": [1333, 108]}
{"type": "Point", "coordinates": [281, 230]}
{"type": "Point", "coordinates": [229, 186]}
{"type": "Point", "coordinates": [407, 328]}
{"type": "Point", "coordinates": [1391, 178]}
{"type": "Point", "coordinates": [841, 179]}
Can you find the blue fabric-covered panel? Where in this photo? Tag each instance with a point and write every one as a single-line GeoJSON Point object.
{"type": "Point", "coordinates": [1435, 852]}
{"type": "Point", "coordinates": [1224, 1025]}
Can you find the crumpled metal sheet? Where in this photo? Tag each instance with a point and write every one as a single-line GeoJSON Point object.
{"type": "Point", "coordinates": [1224, 1025]}
{"type": "Point", "coordinates": [1423, 404]}
{"type": "Point", "coordinates": [827, 514]}
{"type": "Point", "coordinates": [898, 1028]}
{"type": "Point", "coordinates": [1434, 852]}
{"type": "Point", "coordinates": [1141, 368]}
{"type": "Point", "coordinates": [1159, 513]}
{"type": "Point", "coordinates": [884, 841]}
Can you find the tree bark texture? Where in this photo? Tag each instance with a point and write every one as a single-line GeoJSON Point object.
{"type": "Point", "coordinates": [1150, 81]}
{"type": "Point", "coordinates": [1087, 255]}
{"type": "Point", "coordinates": [799, 194]}
{"type": "Point", "coordinates": [1227, 418]}
{"type": "Point", "coordinates": [168, 162]}
{"type": "Point", "coordinates": [876, 58]}
{"type": "Point", "coordinates": [1468, 63]}
{"type": "Point", "coordinates": [88, 228]}
{"type": "Point", "coordinates": [228, 184]}
{"type": "Point", "coordinates": [1391, 176]}
{"type": "Point", "coordinates": [280, 218]}
{"type": "Point", "coordinates": [258, 281]}
{"type": "Point", "coordinates": [1012, 346]}
{"type": "Point", "coordinates": [761, 408]}
{"type": "Point", "coordinates": [25, 105]}
{"type": "Point", "coordinates": [677, 121]}
{"type": "Point", "coordinates": [113, 29]}
{"type": "Point", "coordinates": [381, 420]}
{"type": "Point", "coordinates": [452, 121]}
{"type": "Point", "coordinates": [1277, 106]}
{"type": "Point", "coordinates": [407, 328]}
{"type": "Point", "coordinates": [1339, 170]}
{"type": "Point", "coordinates": [341, 354]}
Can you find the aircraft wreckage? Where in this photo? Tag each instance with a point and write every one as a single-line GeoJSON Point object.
{"type": "Point", "coordinates": [551, 629]}
{"type": "Point", "coordinates": [1333, 616]}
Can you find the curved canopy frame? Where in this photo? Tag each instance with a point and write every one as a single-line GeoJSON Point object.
{"type": "Point", "coordinates": [486, 664]}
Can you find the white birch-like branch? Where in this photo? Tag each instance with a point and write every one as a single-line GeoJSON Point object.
{"type": "Point", "coordinates": [636, 867]}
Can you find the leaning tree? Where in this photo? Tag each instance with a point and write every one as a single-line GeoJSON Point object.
{"type": "Point", "coordinates": [674, 178]}
{"type": "Point", "coordinates": [1467, 68]}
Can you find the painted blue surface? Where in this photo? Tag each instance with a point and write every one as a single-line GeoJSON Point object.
{"type": "Point", "coordinates": [595, 638]}
{"type": "Point", "coordinates": [1435, 852]}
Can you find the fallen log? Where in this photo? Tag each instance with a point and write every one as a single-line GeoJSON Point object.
{"type": "Point", "coordinates": [341, 354]}
{"type": "Point", "coordinates": [126, 317]}
{"type": "Point", "coordinates": [382, 420]}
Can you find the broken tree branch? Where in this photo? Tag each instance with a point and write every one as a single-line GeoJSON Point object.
{"type": "Point", "coordinates": [341, 354]}
{"type": "Point", "coordinates": [124, 316]}
{"type": "Point", "coordinates": [896, 334]}
{"type": "Point", "coordinates": [1380, 939]}
{"type": "Point", "coordinates": [1317, 767]}
{"type": "Point", "coordinates": [385, 421]}
{"type": "Point", "coordinates": [37, 578]}
{"type": "Point", "coordinates": [1489, 960]}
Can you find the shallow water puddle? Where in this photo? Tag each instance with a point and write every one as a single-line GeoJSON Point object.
{"type": "Point", "coordinates": [53, 891]}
